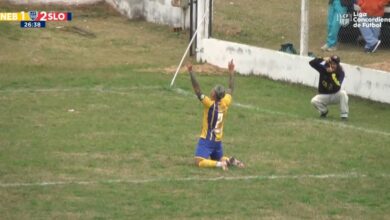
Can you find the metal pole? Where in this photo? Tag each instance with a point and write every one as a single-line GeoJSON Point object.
{"type": "Point", "coordinates": [188, 47]}
{"type": "Point", "coordinates": [304, 43]}
{"type": "Point", "coordinates": [191, 25]}
{"type": "Point", "coordinates": [210, 18]}
{"type": "Point", "coordinates": [196, 22]}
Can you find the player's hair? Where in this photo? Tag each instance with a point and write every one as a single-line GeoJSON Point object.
{"type": "Point", "coordinates": [219, 92]}
{"type": "Point", "coordinates": [335, 59]}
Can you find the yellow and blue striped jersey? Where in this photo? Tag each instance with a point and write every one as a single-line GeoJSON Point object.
{"type": "Point", "coordinates": [214, 115]}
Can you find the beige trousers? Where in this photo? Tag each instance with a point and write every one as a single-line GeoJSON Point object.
{"type": "Point", "coordinates": [321, 102]}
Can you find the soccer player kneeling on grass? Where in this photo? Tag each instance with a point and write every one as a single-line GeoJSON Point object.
{"type": "Point", "coordinates": [329, 88]}
{"type": "Point", "coordinates": [209, 151]}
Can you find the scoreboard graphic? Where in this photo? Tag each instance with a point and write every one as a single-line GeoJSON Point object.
{"type": "Point", "coordinates": [35, 19]}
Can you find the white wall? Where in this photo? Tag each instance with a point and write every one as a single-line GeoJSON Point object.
{"type": "Point", "coordinates": [130, 8]}
{"type": "Point", "coordinates": [156, 11]}
{"type": "Point", "coordinates": [363, 82]}
{"type": "Point", "coordinates": [162, 12]}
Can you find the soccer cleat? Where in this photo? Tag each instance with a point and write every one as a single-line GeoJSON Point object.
{"type": "Point", "coordinates": [234, 162]}
{"type": "Point", "coordinates": [325, 47]}
{"type": "Point", "coordinates": [375, 47]}
{"type": "Point", "coordinates": [344, 118]}
{"type": "Point", "coordinates": [324, 114]}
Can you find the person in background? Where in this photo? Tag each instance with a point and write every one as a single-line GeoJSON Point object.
{"type": "Point", "coordinates": [370, 30]}
{"type": "Point", "coordinates": [329, 87]}
{"type": "Point", "coordinates": [336, 11]}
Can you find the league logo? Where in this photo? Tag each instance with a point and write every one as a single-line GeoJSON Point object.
{"type": "Point", "coordinates": [33, 15]}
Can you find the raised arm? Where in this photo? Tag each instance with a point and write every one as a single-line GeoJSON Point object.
{"type": "Point", "coordinates": [195, 84]}
{"type": "Point", "coordinates": [231, 78]}
{"type": "Point", "coordinates": [316, 63]}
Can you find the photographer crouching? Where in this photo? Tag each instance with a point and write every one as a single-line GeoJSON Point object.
{"type": "Point", "coordinates": [329, 87]}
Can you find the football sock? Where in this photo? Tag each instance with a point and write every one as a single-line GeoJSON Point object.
{"type": "Point", "coordinates": [209, 163]}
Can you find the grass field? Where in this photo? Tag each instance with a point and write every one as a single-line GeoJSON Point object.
{"type": "Point", "coordinates": [89, 129]}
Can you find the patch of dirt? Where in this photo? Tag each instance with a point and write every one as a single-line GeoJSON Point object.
{"type": "Point", "coordinates": [385, 66]}
{"type": "Point", "coordinates": [199, 69]}
{"type": "Point", "coordinates": [228, 30]}
{"type": "Point", "coordinates": [205, 68]}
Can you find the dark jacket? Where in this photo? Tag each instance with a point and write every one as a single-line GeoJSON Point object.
{"type": "Point", "coordinates": [329, 83]}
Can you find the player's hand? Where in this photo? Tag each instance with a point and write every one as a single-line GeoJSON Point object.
{"type": "Point", "coordinates": [189, 67]}
{"type": "Point", "coordinates": [231, 66]}
{"type": "Point", "coordinates": [326, 59]}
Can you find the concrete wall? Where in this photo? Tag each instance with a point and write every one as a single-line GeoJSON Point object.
{"type": "Point", "coordinates": [68, 2]}
{"type": "Point", "coordinates": [133, 9]}
{"type": "Point", "coordinates": [156, 11]}
{"type": "Point", "coordinates": [363, 82]}
{"type": "Point", "coordinates": [162, 12]}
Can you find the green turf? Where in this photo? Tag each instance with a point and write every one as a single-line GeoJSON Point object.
{"type": "Point", "coordinates": [96, 116]}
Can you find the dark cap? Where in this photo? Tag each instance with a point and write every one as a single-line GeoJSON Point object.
{"type": "Point", "coordinates": [219, 92]}
{"type": "Point", "coordinates": [335, 59]}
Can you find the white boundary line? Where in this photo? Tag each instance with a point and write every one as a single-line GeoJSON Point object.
{"type": "Point", "coordinates": [125, 91]}
{"type": "Point", "coordinates": [336, 124]}
{"type": "Point", "coordinates": [82, 89]}
{"type": "Point", "coordinates": [196, 179]}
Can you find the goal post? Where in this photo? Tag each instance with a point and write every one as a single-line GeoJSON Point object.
{"type": "Point", "coordinates": [304, 39]}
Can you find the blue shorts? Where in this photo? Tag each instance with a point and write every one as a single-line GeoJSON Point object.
{"type": "Point", "coordinates": [209, 149]}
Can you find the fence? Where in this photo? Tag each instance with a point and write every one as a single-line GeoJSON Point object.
{"type": "Point", "coordinates": [363, 82]}
{"type": "Point", "coordinates": [269, 24]}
